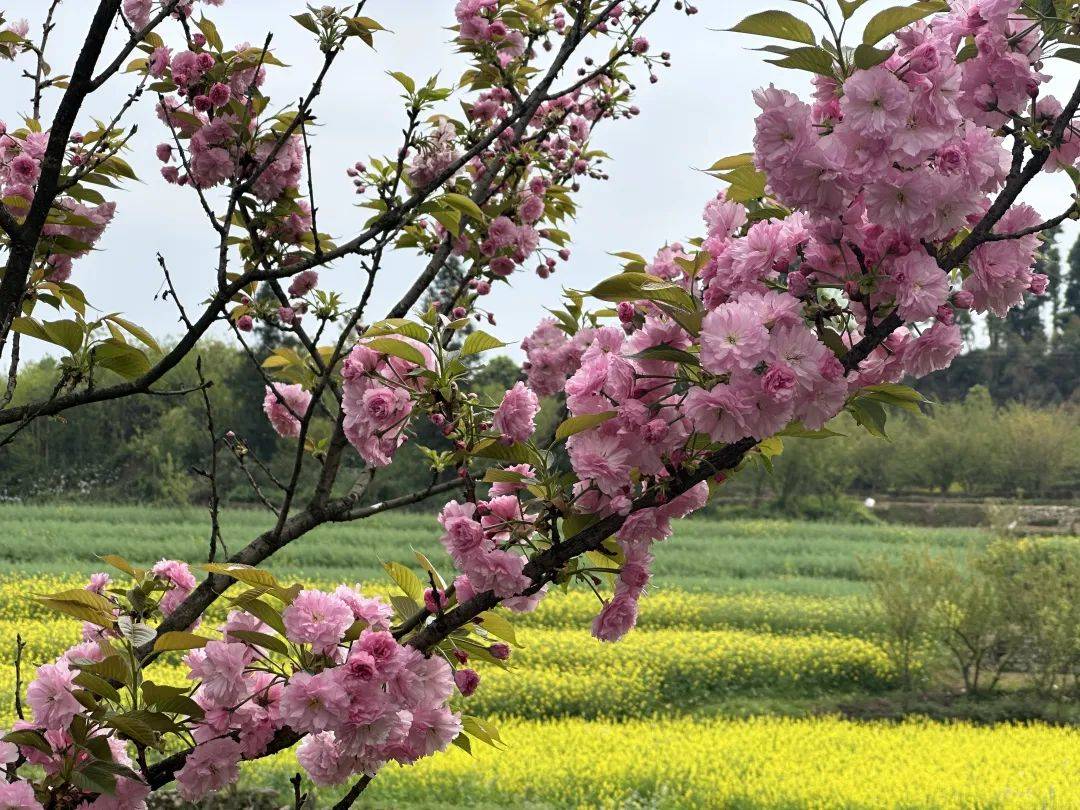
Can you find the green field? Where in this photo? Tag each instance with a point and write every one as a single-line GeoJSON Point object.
{"type": "Point", "coordinates": [729, 694]}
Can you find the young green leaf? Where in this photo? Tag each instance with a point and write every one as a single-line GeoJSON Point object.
{"type": "Point", "coordinates": [586, 421]}
{"type": "Point", "coordinates": [779, 24]}
{"type": "Point", "coordinates": [891, 20]}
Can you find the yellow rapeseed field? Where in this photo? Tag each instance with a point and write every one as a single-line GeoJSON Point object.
{"type": "Point", "coordinates": [613, 726]}
{"type": "Point", "coordinates": [755, 763]}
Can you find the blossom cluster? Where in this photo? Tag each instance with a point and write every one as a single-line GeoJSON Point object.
{"type": "Point", "coordinates": [377, 397]}
{"type": "Point", "coordinates": [138, 12]}
{"type": "Point", "coordinates": [215, 114]}
{"type": "Point", "coordinates": [78, 225]}
{"type": "Point", "coordinates": [334, 675]}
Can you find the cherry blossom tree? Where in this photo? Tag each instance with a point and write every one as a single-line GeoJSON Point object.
{"type": "Point", "coordinates": [829, 270]}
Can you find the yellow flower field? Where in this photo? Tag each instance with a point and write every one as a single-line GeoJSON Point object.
{"type": "Point", "coordinates": [756, 763]}
{"type": "Point", "coordinates": [621, 725]}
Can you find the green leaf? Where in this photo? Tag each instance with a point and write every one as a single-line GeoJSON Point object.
{"type": "Point", "coordinates": [307, 21]}
{"type": "Point", "coordinates": [170, 699]}
{"type": "Point", "coordinates": [514, 453]}
{"type": "Point", "coordinates": [871, 415]}
{"type": "Point", "coordinates": [867, 56]}
{"type": "Point", "coordinates": [891, 20]}
{"type": "Point", "coordinates": [397, 348]}
{"type": "Point", "coordinates": [137, 632]}
{"type": "Point", "coordinates": [483, 730]}
{"type": "Point", "coordinates": [849, 7]}
{"type": "Point", "coordinates": [642, 287]}
{"type": "Point", "coordinates": [404, 80]}
{"type": "Point", "coordinates": [30, 739]}
{"type": "Point", "coordinates": [425, 563]}
{"type": "Point", "coordinates": [462, 742]}
{"type": "Point", "coordinates": [498, 625]}
{"type": "Point", "coordinates": [128, 361]}
{"type": "Point", "coordinates": [115, 668]}
{"type": "Point", "coordinates": [255, 577]}
{"type": "Point", "coordinates": [728, 163]}
{"type": "Point", "coordinates": [268, 615]}
{"type": "Point", "coordinates": [495, 476]}
{"type": "Point", "coordinates": [668, 353]}
{"type": "Point", "coordinates": [134, 727]}
{"type": "Point", "coordinates": [464, 205]}
{"type": "Point", "coordinates": [745, 183]}
{"type": "Point", "coordinates": [81, 604]}
{"type": "Point", "coordinates": [798, 431]}
{"type": "Point", "coordinates": [899, 396]}
{"type": "Point", "coordinates": [120, 564]}
{"type": "Point", "coordinates": [811, 59]}
{"type": "Point", "coordinates": [406, 580]}
{"type": "Point", "coordinates": [141, 334]}
{"type": "Point", "coordinates": [779, 24]}
{"type": "Point", "coordinates": [771, 447]}
{"type": "Point", "coordinates": [257, 639]}
{"type": "Point", "coordinates": [478, 342]}
{"type": "Point", "coordinates": [213, 38]}
{"type": "Point", "coordinates": [1071, 54]}
{"type": "Point", "coordinates": [398, 326]}
{"type": "Point", "coordinates": [99, 686]}
{"type": "Point", "coordinates": [31, 328]}
{"type": "Point", "coordinates": [586, 421]}
{"type": "Point", "coordinates": [404, 607]}
{"type": "Point", "coordinates": [180, 640]}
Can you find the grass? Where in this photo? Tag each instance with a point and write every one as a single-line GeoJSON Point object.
{"type": "Point", "coordinates": [755, 636]}
{"type": "Point", "coordinates": [747, 555]}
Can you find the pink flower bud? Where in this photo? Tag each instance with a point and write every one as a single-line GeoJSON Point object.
{"type": "Point", "coordinates": [467, 680]}
{"type": "Point", "coordinates": [245, 324]}
{"type": "Point", "coordinates": [962, 299]}
{"type": "Point", "coordinates": [499, 651]}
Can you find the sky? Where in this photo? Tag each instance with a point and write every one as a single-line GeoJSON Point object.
{"type": "Point", "coordinates": [701, 110]}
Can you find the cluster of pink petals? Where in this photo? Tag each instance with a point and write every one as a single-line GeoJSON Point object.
{"type": "Point", "coordinates": [218, 146]}
{"type": "Point", "coordinates": [366, 701]}
{"type": "Point", "coordinates": [180, 581]}
{"type": "Point", "coordinates": [20, 169]}
{"type": "Point", "coordinates": [285, 406]}
{"type": "Point", "coordinates": [377, 399]}
{"type": "Point", "coordinates": [515, 418]}
{"type": "Point", "coordinates": [552, 356]}
{"type": "Point", "coordinates": [484, 541]}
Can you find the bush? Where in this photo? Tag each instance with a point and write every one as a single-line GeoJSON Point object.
{"type": "Point", "coordinates": [1014, 606]}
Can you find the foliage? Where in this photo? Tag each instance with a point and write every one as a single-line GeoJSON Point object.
{"type": "Point", "coordinates": [1009, 607]}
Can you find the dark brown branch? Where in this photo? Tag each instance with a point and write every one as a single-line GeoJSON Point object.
{"type": "Point", "coordinates": [341, 510]}
{"type": "Point", "coordinates": [349, 799]}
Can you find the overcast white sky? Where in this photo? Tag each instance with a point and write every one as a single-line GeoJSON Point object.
{"type": "Point", "coordinates": [701, 110]}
